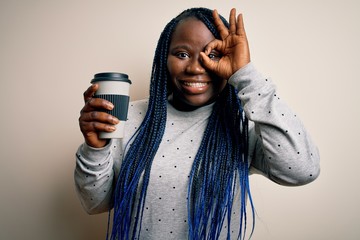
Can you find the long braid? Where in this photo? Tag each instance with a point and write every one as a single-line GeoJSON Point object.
{"type": "Point", "coordinates": [215, 170]}
{"type": "Point", "coordinates": [135, 170]}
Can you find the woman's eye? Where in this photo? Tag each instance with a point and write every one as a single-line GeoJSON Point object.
{"type": "Point", "coordinates": [214, 57]}
{"type": "Point", "coordinates": [182, 55]}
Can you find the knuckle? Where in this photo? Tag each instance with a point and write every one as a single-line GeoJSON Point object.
{"type": "Point", "coordinates": [88, 134]}
{"type": "Point", "coordinates": [94, 115]}
{"type": "Point", "coordinates": [95, 125]}
{"type": "Point", "coordinates": [82, 117]}
{"type": "Point", "coordinates": [84, 127]}
{"type": "Point", "coordinates": [89, 100]}
{"type": "Point", "coordinates": [82, 111]}
{"type": "Point", "coordinates": [86, 97]}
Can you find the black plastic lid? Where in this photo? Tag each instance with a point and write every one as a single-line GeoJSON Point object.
{"type": "Point", "coordinates": [111, 76]}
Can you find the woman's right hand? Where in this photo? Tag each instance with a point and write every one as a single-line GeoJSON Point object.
{"type": "Point", "coordinates": [233, 46]}
{"type": "Point", "coordinates": [94, 120]}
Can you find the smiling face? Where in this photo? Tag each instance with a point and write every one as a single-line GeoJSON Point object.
{"type": "Point", "coordinates": [192, 85]}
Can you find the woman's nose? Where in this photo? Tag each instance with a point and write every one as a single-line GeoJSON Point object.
{"type": "Point", "coordinates": [195, 67]}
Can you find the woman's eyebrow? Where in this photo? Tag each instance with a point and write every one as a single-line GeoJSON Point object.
{"type": "Point", "coordinates": [181, 46]}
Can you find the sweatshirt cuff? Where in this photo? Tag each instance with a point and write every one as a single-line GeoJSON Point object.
{"type": "Point", "coordinates": [245, 77]}
{"type": "Point", "coordinates": [89, 152]}
{"type": "Point", "coordinates": [91, 159]}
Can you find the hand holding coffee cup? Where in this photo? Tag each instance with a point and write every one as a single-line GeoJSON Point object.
{"type": "Point", "coordinates": [114, 87]}
{"type": "Point", "coordinates": [106, 106]}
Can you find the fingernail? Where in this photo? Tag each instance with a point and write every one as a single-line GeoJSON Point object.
{"type": "Point", "coordinates": [115, 120]}
{"type": "Point", "coordinates": [110, 106]}
{"type": "Point", "coordinates": [111, 128]}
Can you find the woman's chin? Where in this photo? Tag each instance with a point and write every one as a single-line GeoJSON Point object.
{"type": "Point", "coordinates": [190, 104]}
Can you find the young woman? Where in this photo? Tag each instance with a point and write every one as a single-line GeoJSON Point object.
{"type": "Point", "coordinates": [182, 170]}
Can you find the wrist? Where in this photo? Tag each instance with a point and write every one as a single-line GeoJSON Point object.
{"type": "Point", "coordinates": [97, 144]}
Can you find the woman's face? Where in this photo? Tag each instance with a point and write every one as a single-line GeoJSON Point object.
{"type": "Point", "coordinates": [192, 85]}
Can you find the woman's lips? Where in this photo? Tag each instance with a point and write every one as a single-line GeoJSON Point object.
{"type": "Point", "coordinates": [192, 87]}
{"type": "Point", "coordinates": [195, 84]}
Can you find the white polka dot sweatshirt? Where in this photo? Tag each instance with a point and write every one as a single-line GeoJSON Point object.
{"type": "Point", "coordinates": [279, 148]}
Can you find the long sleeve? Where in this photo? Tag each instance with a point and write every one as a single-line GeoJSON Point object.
{"type": "Point", "coordinates": [94, 178]}
{"type": "Point", "coordinates": [97, 169]}
{"type": "Point", "coordinates": [279, 146]}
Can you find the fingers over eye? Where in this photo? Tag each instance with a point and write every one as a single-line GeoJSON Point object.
{"type": "Point", "coordinates": [213, 45]}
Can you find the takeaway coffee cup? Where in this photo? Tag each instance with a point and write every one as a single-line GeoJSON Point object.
{"type": "Point", "coordinates": [114, 87]}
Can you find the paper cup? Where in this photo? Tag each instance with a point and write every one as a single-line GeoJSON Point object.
{"type": "Point", "coordinates": [114, 87]}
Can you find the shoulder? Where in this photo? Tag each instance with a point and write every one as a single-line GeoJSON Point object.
{"type": "Point", "coordinates": [137, 111]}
{"type": "Point", "coordinates": [138, 106]}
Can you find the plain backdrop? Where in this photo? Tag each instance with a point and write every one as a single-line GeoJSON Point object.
{"type": "Point", "coordinates": [49, 51]}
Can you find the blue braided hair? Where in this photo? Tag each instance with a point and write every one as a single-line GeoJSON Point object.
{"type": "Point", "coordinates": [215, 171]}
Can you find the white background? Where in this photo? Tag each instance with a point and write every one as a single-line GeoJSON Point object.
{"type": "Point", "coordinates": [49, 51]}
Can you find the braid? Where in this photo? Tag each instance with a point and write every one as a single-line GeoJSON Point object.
{"type": "Point", "coordinates": [215, 171]}
{"type": "Point", "coordinates": [145, 142]}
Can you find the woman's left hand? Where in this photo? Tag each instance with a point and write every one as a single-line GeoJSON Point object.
{"type": "Point", "coordinates": [233, 47]}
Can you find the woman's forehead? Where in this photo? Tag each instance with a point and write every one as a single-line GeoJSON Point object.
{"type": "Point", "coordinates": [191, 29]}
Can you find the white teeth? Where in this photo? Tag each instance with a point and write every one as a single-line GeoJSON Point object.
{"type": "Point", "coordinates": [195, 84]}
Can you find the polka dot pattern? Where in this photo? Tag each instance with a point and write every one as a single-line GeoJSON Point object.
{"type": "Point", "coordinates": [169, 175]}
{"type": "Point", "coordinates": [278, 145]}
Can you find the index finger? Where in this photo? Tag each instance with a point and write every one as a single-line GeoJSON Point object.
{"type": "Point", "coordinates": [89, 93]}
{"type": "Point", "coordinates": [223, 30]}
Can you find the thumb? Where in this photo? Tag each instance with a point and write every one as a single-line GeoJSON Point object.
{"type": "Point", "coordinates": [210, 63]}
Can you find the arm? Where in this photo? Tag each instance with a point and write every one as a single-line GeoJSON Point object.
{"type": "Point", "coordinates": [95, 158]}
{"type": "Point", "coordinates": [97, 168]}
{"type": "Point", "coordinates": [95, 175]}
{"type": "Point", "coordinates": [94, 178]}
{"type": "Point", "coordinates": [280, 147]}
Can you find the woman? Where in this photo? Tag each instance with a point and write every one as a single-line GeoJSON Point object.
{"type": "Point", "coordinates": [182, 169]}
